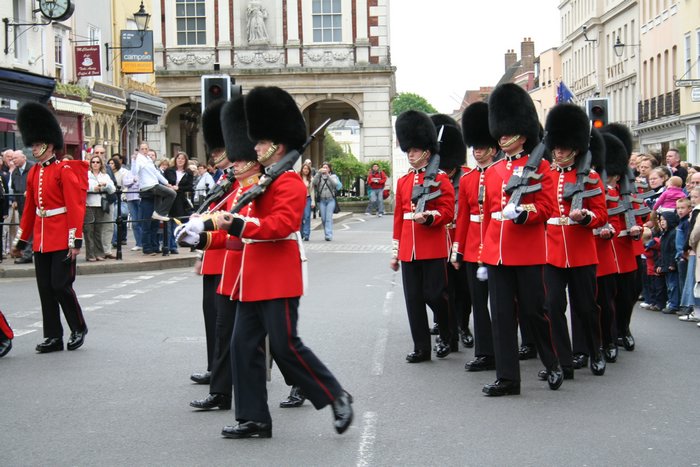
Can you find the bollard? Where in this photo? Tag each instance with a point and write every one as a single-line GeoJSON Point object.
{"type": "Point", "coordinates": [120, 223]}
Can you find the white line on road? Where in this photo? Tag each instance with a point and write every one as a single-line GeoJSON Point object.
{"type": "Point", "coordinates": [37, 324]}
{"type": "Point", "coordinates": [91, 308]}
{"type": "Point", "coordinates": [365, 452]}
{"type": "Point", "coordinates": [22, 332]}
{"type": "Point", "coordinates": [125, 296]}
{"type": "Point", "coordinates": [379, 352]}
{"type": "Point", "coordinates": [86, 295]}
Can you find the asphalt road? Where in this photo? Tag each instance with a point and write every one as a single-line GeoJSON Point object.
{"type": "Point", "coordinates": [122, 399]}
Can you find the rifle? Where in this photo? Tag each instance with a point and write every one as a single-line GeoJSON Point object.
{"type": "Point", "coordinates": [273, 171]}
{"type": "Point", "coordinates": [518, 185]}
{"type": "Point", "coordinates": [627, 197]}
{"type": "Point", "coordinates": [576, 192]}
{"type": "Point", "coordinates": [421, 193]}
{"type": "Point", "coordinates": [217, 193]}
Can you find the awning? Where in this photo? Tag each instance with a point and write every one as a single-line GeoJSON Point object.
{"type": "Point", "coordinates": [25, 86]}
{"type": "Point", "coordinates": [7, 125]}
{"type": "Point", "coordinates": [146, 103]}
{"type": "Point", "coordinates": [67, 105]}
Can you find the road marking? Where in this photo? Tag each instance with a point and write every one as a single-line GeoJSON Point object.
{"type": "Point", "coordinates": [91, 308]}
{"type": "Point", "coordinates": [131, 281]}
{"type": "Point", "coordinates": [125, 296]}
{"type": "Point", "coordinates": [365, 452]}
{"type": "Point", "coordinates": [87, 295]}
{"type": "Point", "coordinates": [23, 314]}
{"type": "Point", "coordinates": [38, 324]}
{"type": "Point", "coordinates": [22, 332]}
{"type": "Point", "coordinates": [379, 352]}
{"type": "Point", "coordinates": [115, 286]}
{"type": "Point", "coordinates": [185, 339]}
{"type": "Point", "coordinates": [145, 277]}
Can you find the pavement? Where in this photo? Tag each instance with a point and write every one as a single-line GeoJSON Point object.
{"type": "Point", "coordinates": [132, 261]}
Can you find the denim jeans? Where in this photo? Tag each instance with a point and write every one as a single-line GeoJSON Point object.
{"type": "Point", "coordinates": [149, 234]}
{"type": "Point", "coordinates": [326, 208]}
{"type": "Point", "coordinates": [306, 220]}
{"type": "Point", "coordinates": [137, 227]}
{"type": "Point", "coordinates": [376, 201]}
{"type": "Point", "coordinates": [687, 297]}
{"type": "Point", "coordinates": [672, 289]}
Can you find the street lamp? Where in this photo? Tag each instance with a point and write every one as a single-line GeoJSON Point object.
{"type": "Point", "coordinates": [141, 19]}
{"type": "Point", "coordinates": [619, 47]}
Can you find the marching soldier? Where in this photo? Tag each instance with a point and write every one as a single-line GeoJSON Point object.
{"type": "Point", "coordinates": [514, 241]}
{"type": "Point", "coordinates": [469, 238]}
{"type": "Point", "coordinates": [54, 209]}
{"type": "Point", "coordinates": [269, 295]}
{"type": "Point", "coordinates": [571, 253]}
{"type": "Point", "coordinates": [420, 240]}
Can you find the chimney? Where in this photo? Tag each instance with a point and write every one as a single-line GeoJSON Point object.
{"type": "Point", "coordinates": [527, 54]}
{"type": "Point", "coordinates": [511, 58]}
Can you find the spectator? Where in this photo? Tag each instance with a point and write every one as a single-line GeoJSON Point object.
{"type": "Point", "coordinates": [672, 193]}
{"type": "Point", "coordinates": [673, 162]}
{"type": "Point", "coordinates": [108, 232]}
{"type": "Point", "coordinates": [667, 265]}
{"type": "Point", "coordinates": [682, 231]}
{"type": "Point", "coordinates": [213, 170]}
{"type": "Point", "coordinates": [97, 215]}
{"type": "Point", "coordinates": [376, 179]}
{"type": "Point", "coordinates": [205, 183]}
{"type": "Point", "coordinates": [693, 275]}
{"type": "Point", "coordinates": [692, 181]}
{"type": "Point", "coordinates": [18, 182]}
{"type": "Point", "coordinates": [180, 178]}
{"type": "Point", "coordinates": [133, 202]}
{"type": "Point", "coordinates": [307, 178]}
{"type": "Point", "coordinates": [657, 181]}
{"type": "Point", "coordinates": [326, 185]}
{"type": "Point", "coordinates": [655, 298]}
{"type": "Point", "coordinates": [120, 172]}
{"type": "Point", "coordinates": [6, 168]}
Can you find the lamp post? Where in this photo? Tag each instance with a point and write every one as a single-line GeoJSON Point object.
{"type": "Point", "coordinates": [141, 19]}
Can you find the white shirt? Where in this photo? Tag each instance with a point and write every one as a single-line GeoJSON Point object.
{"type": "Point", "coordinates": [147, 173]}
{"type": "Point", "coordinates": [93, 195]}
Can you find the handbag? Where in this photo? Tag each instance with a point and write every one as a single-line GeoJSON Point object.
{"type": "Point", "coordinates": [336, 208]}
{"type": "Point", "coordinates": [104, 203]}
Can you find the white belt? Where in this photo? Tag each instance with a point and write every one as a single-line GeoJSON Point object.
{"type": "Point", "coordinates": [408, 216]}
{"type": "Point", "coordinates": [50, 212]}
{"type": "Point", "coordinates": [291, 236]}
{"type": "Point", "coordinates": [475, 217]}
{"type": "Point", "coordinates": [497, 216]}
{"type": "Point", "coordinates": [563, 220]}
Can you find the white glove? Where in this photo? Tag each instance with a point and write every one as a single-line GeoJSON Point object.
{"type": "Point", "coordinates": [511, 211]}
{"type": "Point", "coordinates": [195, 225]}
{"type": "Point", "coordinates": [187, 237]}
{"type": "Point", "coordinates": [482, 273]}
{"type": "Point", "coordinates": [178, 230]}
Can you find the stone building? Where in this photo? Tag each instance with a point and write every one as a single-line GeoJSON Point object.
{"type": "Point", "coordinates": [332, 56]}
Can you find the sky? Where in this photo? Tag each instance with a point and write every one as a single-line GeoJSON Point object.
{"type": "Point", "coordinates": [441, 48]}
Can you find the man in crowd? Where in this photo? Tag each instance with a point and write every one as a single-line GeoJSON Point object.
{"type": "Point", "coordinates": [18, 181]}
{"type": "Point", "coordinates": [673, 162]}
{"type": "Point", "coordinates": [376, 179]}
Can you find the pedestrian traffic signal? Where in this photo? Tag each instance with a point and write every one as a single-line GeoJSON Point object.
{"type": "Point", "coordinates": [215, 87]}
{"type": "Point", "coordinates": [597, 110]}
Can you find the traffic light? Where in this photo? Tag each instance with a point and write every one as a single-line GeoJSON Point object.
{"type": "Point", "coordinates": [215, 87]}
{"type": "Point", "coordinates": [597, 110]}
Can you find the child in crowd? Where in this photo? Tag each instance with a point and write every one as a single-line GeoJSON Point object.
{"type": "Point", "coordinates": [656, 295]}
{"type": "Point", "coordinates": [688, 299]}
{"type": "Point", "coordinates": [672, 193]}
{"type": "Point", "coordinates": [667, 260]}
{"type": "Point", "coordinates": [682, 232]}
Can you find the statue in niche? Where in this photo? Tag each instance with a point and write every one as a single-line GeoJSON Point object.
{"type": "Point", "coordinates": [257, 32]}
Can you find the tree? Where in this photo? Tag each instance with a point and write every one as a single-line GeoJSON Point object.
{"type": "Point", "coordinates": [409, 101]}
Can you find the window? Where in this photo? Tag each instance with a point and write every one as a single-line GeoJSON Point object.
{"type": "Point", "coordinates": [687, 54]}
{"type": "Point", "coordinates": [697, 60]}
{"type": "Point", "coordinates": [58, 57]}
{"type": "Point", "coordinates": [326, 20]}
{"type": "Point", "coordinates": [191, 22]}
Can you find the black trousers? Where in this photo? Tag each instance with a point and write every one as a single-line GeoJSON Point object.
{"type": "Point", "coordinates": [627, 293]}
{"type": "Point", "coordinates": [210, 282]}
{"type": "Point", "coordinates": [425, 283]}
{"type": "Point", "coordinates": [479, 292]}
{"type": "Point", "coordinates": [221, 366]}
{"type": "Point", "coordinates": [278, 320]}
{"type": "Point", "coordinates": [55, 277]}
{"type": "Point", "coordinates": [605, 298]}
{"type": "Point", "coordinates": [584, 309]}
{"type": "Point", "coordinates": [518, 291]}
{"type": "Point", "coordinates": [460, 299]}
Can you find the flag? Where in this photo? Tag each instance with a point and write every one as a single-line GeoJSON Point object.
{"type": "Point", "coordinates": [564, 94]}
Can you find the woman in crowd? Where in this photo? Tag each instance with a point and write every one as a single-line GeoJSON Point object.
{"type": "Point", "coordinates": [205, 183]}
{"type": "Point", "coordinates": [120, 172]}
{"type": "Point", "coordinates": [180, 177]}
{"type": "Point", "coordinates": [307, 178]}
{"type": "Point", "coordinates": [326, 184]}
{"type": "Point", "coordinates": [96, 217]}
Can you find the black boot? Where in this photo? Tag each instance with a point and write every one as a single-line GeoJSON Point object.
{"type": "Point", "coordinates": [294, 399]}
{"type": "Point", "coordinates": [212, 401]}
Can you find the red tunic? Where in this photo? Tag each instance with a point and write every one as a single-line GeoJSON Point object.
{"type": "Point", "coordinates": [505, 242]}
{"type": "Point", "coordinates": [573, 245]}
{"type": "Point", "coordinates": [469, 237]}
{"type": "Point", "coordinates": [213, 257]}
{"type": "Point", "coordinates": [624, 247]}
{"type": "Point", "coordinates": [271, 264]}
{"type": "Point", "coordinates": [55, 186]}
{"type": "Point", "coordinates": [420, 241]}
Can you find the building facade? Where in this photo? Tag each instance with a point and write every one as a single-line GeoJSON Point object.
{"type": "Point", "coordinates": [331, 56]}
{"type": "Point", "coordinates": [689, 77]}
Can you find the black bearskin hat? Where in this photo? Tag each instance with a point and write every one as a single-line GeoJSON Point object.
{"type": "Point", "coordinates": [622, 132]}
{"type": "Point", "coordinates": [512, 112]}
{"type": "Point", "coordinates": [38, 124]}
{"type": "Point", "coordinates": [239, 147]}
{"type": "Point", "coordinates": [211, 126]}
{"type": "Point", "coordinates": [568, 127]}
{"type": "Point", "coordinates": [453, 152]}
{"type": "Point", "coordinates": [597, 148]}
{"type": "Point", "coordinates": [616, 157]}
{"type": "Point", "coordinates": [414, 129]}
{"type": "Point", "coordinates": [475, 126]}
{"type": "Point", "coordinates": [273, 115]}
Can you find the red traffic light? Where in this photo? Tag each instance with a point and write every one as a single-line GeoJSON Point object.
{"type": "Point", "coordinates": [596, 110]}
{"type": "Point", "coordinates": [598, 124]}
{"type": "Point", "coordinates": [215, 90]}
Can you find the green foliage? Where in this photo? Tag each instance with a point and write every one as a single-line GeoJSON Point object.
{"type": "Point", "coordinates": [68, 89]}
{"type": "Point", "coordinates": [331, 149]}
{"type": "Point", "coordinates": [409, 101]}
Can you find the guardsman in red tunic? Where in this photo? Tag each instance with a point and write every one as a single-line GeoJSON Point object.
{"type": "Point", "coordinates": [54, 210]}
{"type": "Point", "coordinates": [469, 237]}
{"type": "Point", "coordinates": [246, 169]}
{"type": "Point", "coordinates": [271, 282]}
{"type": "Point", "coordinates": [211, 262]}
{"type": "Point", "coordinates": [453, 155]}
{"type": "Point", "coordinates": [420, 240]}
{"type": "Point", "coordinates": [571, 252]}
{"type": "Point", "coordinates": [6, 336]}
{"type": "Point", "coordinates": [515, 241]}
